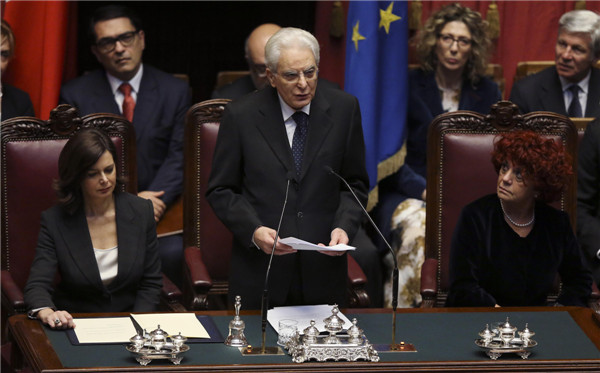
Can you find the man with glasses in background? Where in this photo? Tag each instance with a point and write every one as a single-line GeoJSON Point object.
{"type": "Point", "coordinates": [282, 139]}
{"type": "Point", "coordinates": [572, 87]}
{"type": "Point", "coordinates": [154, 101]}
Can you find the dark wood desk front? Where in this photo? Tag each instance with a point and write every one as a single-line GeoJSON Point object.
{"type": "Point", "coordinates": [428, 327]}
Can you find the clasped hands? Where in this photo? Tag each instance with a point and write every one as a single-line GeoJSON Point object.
{"type": "Point", "coordinates": [264, 237]}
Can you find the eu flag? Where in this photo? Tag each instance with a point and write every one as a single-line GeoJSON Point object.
{"type": "Point", "coordinates": [377, 74]}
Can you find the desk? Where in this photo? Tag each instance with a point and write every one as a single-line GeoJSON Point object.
{"type": "Point", "coordinates": [576, 346]}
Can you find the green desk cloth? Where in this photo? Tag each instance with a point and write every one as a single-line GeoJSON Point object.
{"type": "Point", "coordinates": [437, 337]}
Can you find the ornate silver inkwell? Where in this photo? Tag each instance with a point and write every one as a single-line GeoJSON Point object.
{"type": "Point", "coordinates": [502, 339]}
{"type": "Point", "coordinates": [158, 345]}
{"type": "Point", "coordinates": [351, 346]}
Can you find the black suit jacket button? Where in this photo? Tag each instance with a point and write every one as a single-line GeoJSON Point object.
{"type": "Point", "coordinates": [300, 214]}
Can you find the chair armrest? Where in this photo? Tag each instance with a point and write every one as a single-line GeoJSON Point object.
{"type": "Point", "coordinates": [356, 276]}
{"type": "Point", "coordinates": [169, 290]}
{"type": "Point", "coordinates": [199, 276]}
{"type": "Point", "coordinates": [357, 293]}
{"type": "Point", "coordinates": [197, 281]}
{"type": "Point", "coordinates": [171, 296]}
{"type": "Point", "coordinates": [429, 282]}
{"type": "Point", "coordinates": [12, 295]}
{"type": "Point", "coordinates": [594, 301]}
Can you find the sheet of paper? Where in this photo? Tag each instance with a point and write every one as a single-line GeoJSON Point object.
{"type": "Point", "coordinates": [172, 323]}
{"type": "Point", "coordinates": [299, 244]}
{"type": "Point", "coordinates": [304, 314]}
{"type": "Point", "coordinates": [104, 329]}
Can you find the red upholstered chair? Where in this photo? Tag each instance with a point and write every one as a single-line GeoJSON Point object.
{"type": "Point", "coordinates": [207, 241]}
{"type": "Point", "coordinates": [30, 150]}
{"type": "Point", "coordinates": [460, 170]}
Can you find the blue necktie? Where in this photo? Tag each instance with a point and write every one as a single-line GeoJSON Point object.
{"type": "Point", "coordinates": [299, 139]}
{"type": "Point", "coordinates": [575, 107]}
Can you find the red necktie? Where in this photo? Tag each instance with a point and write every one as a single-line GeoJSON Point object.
{"type": "Point", "coordinates": [128, 102]}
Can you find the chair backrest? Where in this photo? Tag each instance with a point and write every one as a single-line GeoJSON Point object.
{"type": "Point", "coordinates": [30, 150]}
{"type": "Point", "coordinates": [226, 77]}
{"type": "Point", "coordinates": [201, 227]}
{"type": "Point", "coordinates": [531, 67]}
{"type": "Point", "coordinates": [459, 170]}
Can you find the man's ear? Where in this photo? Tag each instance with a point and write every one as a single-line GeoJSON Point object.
{"type": "Point", "coordinates": [142, 37]}
{"type": "Point", "coordinates": [271, 77]}
{"type": "Point", "coordinates": [95, 52]}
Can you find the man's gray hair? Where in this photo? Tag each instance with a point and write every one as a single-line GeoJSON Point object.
{"type": "Point", "coordinates": [289, 37]}
{"type": "Point", "coordinates": [583, 21]}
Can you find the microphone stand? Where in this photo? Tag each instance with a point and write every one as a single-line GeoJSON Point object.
{"type": "Point", "coordinates": [393, 346]}
{"type": "Point", "coordinates": [265, 296]}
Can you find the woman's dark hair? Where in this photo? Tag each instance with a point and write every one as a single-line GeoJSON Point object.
{"type": "Point", "coordinates": [543, 161]}
{"type": "Point", "coordinates": [80, 153]}
{"type": "Point", "coordinates": [426, 40]}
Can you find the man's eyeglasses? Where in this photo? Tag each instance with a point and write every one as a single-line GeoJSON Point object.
{"type": "Point", "coordinates": [448, 40]}
{"type": "Point", "coordinates": [259, 69]}
{"type": "Point", "coordinates": [294, 76]}
{"type": "Point", "coordinates": [106, 45]}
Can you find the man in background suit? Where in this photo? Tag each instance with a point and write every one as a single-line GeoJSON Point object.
{"type": "Point", "coordinates": [282, 138]}
{"type": "Point", "coordinates": [588, 197]}
{"type": "Point", "coordinates": [254, 52]}
{"type": "Point", "coordinates": [572, 87]}
{"type": "Point", "coordinates": [155, 102]}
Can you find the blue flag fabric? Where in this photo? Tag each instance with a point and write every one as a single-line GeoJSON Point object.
{"type": "Point", "coordinates": [377, 74]}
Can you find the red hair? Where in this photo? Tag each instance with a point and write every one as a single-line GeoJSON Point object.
{"type": "Point", "coordinates": [543, 161]}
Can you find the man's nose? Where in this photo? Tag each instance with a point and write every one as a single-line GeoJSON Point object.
{"type": "Point", "coordinates": [302, 81]}
{"type": "Point", "coordinates": [119, 47]}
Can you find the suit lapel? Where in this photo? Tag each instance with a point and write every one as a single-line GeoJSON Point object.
{"type": "Point", "coordinates": [592, 109]}
{"type": "Point", "coordinates": [146, 104]}
{"type": "Point", "coordinates": [128, 234]}
{"type": "Point", "coordinates": [103, 95]}
{"type": "Point", "coordinates": [431, 94]}
{"type": "Point", "coordinates": [552, 94]}
{"type": "Point", "coordinates": [79, 244]}
{"type": "Point", "coordinates": [469, 98]}
{"type": "Point", "coordinates": [272, 128]}
{"type": "Point", "coordinates": [319, 124]}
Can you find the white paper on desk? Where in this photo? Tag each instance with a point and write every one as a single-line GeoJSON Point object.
{"type": "Point", "coordinates": [104, 329]}
{"type": "Point", "coordinates": [304, 314]}
{"type": "Point", "coordinates": [299, 244]}
{"type": "Point", "coordinates": [172, 323]}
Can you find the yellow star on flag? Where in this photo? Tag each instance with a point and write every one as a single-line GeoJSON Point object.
{"type": "Point", "coordinates": [387, 17]}
{"type": "Point", "coordinates": [356, 36]}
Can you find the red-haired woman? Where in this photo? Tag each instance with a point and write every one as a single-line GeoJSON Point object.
{"type": "Point", "coordinates": [509, 246]}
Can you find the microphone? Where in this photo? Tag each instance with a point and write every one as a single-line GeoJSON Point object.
{"type": "Point", "coordinates": [393, 346]}
{"type": "Point", "coordinates": [265, 296]}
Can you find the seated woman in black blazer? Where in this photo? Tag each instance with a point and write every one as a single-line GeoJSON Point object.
{"type": "Point", "coordinates": [101, 243]}
{"type": "Point", "coordinates": [508, 247]}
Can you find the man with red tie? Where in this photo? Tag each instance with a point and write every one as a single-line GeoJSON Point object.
{"type": "Point", "coordinates": [154, 101]}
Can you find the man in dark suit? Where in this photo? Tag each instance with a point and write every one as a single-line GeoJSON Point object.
{"type": "Point", "coordinates": [278, 139]}
{"type": "Point", "coordinates": [366, 254]}
{"type": "Point", "coordinates": [154, 101]}
{"type": "Point", "coordinates": [572, 87]}
{"type": "Point", "coordinates": [588, 197]}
